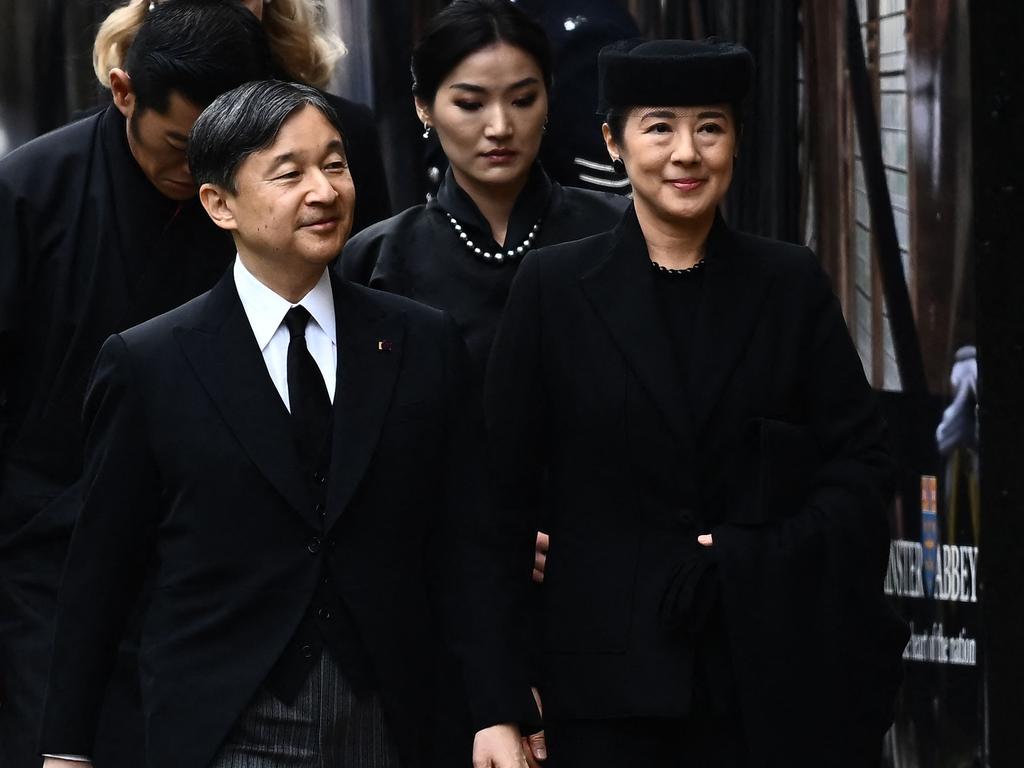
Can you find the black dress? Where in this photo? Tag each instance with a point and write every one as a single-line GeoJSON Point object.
{"type": "Point", "coordinates": [419, 254]}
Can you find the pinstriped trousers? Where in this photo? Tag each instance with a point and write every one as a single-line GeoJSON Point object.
{"type": "Point", "coordinates": [326, 726]}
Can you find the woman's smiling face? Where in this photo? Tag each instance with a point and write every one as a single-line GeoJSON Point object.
{"type": "Point", "coordinates": [679, 159]}
{"type": "Point", "coordinates": [489, 114]}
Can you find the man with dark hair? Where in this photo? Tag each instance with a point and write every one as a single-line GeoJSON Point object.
{"type": "Point", "coordinates": [99, 230]}
{"type": "Point", "coordinates": [296, 461]}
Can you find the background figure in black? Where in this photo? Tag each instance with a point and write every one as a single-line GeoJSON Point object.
{"type": "Point", "coordinates": [572, 151]}
{"type": "Point", "coordinates": [99, 230]}
{"type": "Point", "coordinates": [304, 51]}
{"type": "Point", "coordinates": [482, 72]}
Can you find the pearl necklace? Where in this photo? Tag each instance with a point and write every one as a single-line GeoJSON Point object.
{"type": "Point", "coordinates": [498, 257]}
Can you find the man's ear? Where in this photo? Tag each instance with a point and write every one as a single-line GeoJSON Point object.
{"type": "Point", "coordinates": [121, 89]}
{"type": "Point", "coordinates": [217, 202]}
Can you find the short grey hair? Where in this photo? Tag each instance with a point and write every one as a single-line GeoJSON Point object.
{"type": "Point", "coordinates": [244, 121]}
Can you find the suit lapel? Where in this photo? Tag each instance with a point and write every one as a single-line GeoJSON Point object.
{"type": "Point", "coordinates": [621, 293]}
{"type": "Point", "coordinates": [734, 290]}
{"type": "Point", "coordinates": [223, 353]}
{"type": "Point", "coordinates": [369, 358]}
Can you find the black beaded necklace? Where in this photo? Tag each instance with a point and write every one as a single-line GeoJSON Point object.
{"type": "Point", "coordinates": [498, 257]}
{"type": "Point", "coordinates": [670, 272]}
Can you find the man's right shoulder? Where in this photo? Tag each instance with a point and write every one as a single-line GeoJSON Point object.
{"type": "Point", "coordinates": [153, 334]}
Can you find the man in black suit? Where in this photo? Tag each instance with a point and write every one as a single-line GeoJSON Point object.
{"type": "Point", "coordinates": [290, 455]}
{"type": "Point", "coordinates": [100, 229]}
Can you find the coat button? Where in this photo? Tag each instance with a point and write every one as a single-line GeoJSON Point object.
{"type": "Point", "coordinates": [319, 509]}
{"type": "Point", "coordinates": [314, 545]}
{"type": "Point", "coordinates": [686, 517]}
{"type": "Point", "coordinates": [306, 651]}
{"type": "Point", "coordinates": [319, 478]}
{"type": "Point", "coordinates": [324, 614]}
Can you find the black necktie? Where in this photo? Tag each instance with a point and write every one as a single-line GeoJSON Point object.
{"type": "Point", "coordinates": [307, 393]}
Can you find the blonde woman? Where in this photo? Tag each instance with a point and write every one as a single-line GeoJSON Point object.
{"type": "Point", "coordinates": [305, 51]}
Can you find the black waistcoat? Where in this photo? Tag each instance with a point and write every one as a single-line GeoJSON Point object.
{"type": "Point", "coordinates": [328, 624]}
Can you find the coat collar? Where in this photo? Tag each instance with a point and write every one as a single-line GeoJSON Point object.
{"type": "Point", "coordinates": [370, 349]}
{"type": "Point", "coordinates": [621, 291]}
{"type": "Point", "coordinates": [139, 198]}
{"type": "Point", "coordinates": [145, 232]}
{"type": "Point", "coordinates": [223, 353]}
{"type": "Point", "coordinates": [735, 286]}
{"type": "Point", "coordinates": [143, 214]}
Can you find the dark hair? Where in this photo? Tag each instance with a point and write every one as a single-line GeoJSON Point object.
{"type": "Point", "coordinates": [199, 48]}
{"type": "Point", "coordinates": [616, 120]}
{"type": "Point", "coordinates": [467, 26]}
{"type": "Point", "coordinates": [244, 121]}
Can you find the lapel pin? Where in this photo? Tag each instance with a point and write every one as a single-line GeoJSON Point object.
{"type": "Point", "coordinates": [384, 345]}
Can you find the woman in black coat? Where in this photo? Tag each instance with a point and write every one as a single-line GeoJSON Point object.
{"type": "Point", "coordinates": [481, 76]}
{"type": "Point", "coordinates": [684, 405]}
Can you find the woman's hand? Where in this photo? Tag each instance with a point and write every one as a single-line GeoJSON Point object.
{"type": "Point", "coordinates": [705, 540]}
{"type": "Point", "coordinates": [534, 746]}
{"type": "Point", "coordinates": [498, 747]}
{"type": "Point", "coordinates": [540, 557]}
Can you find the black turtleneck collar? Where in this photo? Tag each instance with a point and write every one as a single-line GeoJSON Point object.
{"type": "Point", "coordinates": [132, 183]}
{"type": "Point", "coordinates": [531, 205]}
{"type": "Point", "coordinates": [142, 211]}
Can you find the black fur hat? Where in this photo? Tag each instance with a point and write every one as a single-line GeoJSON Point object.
{"type": "Point", "coordinates": [661, 73]}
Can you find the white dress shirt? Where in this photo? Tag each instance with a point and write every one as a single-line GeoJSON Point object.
{"type": "Point", "coordinates": [266, 310]}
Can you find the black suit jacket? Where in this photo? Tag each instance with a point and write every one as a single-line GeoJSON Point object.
{"type": "Point", "coordinates": [190, 469]}
{"type": "Point", "coordinates": [630, 456]}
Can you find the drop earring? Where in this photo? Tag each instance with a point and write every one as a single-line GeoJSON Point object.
{"type": "Point", "coordinates": [619, 166]}
{"type": "Point", "coordinates": [426, 130]}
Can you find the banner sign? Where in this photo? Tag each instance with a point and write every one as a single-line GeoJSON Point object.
{"type": "Point", "coordinates": [933, 582]}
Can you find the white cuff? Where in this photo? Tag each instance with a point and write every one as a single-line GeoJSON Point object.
{"type": "Point", "coordinates": [74, 758]}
